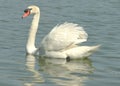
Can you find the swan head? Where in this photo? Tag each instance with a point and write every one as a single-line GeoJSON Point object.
{"type": "Point", "coordinates": [31, 10]}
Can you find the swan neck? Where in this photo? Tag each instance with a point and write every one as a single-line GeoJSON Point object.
{"type": "Point", "coordinates": [32, 34]}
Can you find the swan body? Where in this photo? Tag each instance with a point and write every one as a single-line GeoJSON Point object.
{"type": "Point", "coordinates": [61, 42]}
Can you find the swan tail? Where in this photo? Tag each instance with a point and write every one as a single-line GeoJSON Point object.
{"type": "Point", "coordinates": [94, 48]}
{"type": "Point", "coordinates": [81, 51]}
{"type": "Point", "coordinates": [91, 50]}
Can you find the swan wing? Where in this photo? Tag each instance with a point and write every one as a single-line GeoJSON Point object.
{"type": "Point", "coordinates": [63, 36]}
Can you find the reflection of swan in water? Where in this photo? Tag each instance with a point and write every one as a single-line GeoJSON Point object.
{"type": "Point", "coordinates": [63, 73]}
{"type": "Point", "coordinates": [57, 71]}
{"type": "Point", "coordinates": [36, 77]}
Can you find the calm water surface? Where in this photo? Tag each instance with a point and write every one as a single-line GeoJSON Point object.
{"type": "Point", "coordinates": [101, 20]}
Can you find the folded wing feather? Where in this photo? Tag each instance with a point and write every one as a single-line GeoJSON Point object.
{"type": "Point", "coordinates": [63, 36]}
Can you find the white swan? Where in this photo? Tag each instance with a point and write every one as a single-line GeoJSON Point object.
{"type": "Point", "coordinates": [61, 42]}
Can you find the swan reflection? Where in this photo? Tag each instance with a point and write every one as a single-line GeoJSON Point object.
{"type": "Point", "coordinates": [61, 72]}
{"type": "Point", "coordinates": [36, 77]}
{"type": "Point", "coordinates": [58, 71]}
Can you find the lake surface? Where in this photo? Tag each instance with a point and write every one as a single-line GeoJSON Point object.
{"type": "Point", "coordinates": [101, 20]}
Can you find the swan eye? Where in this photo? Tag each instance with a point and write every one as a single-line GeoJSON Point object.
{"type": "Point", "coordinates": [27, 10]}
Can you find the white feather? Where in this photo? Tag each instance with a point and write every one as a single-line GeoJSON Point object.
{"type": "Point", "coordinates": [63, 36]}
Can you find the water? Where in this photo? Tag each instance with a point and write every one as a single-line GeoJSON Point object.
{"type": "Point", "coordinates": [101, 20]}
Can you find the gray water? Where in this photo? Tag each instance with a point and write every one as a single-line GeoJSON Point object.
{"type": "Point", "coordinates": [101, 20]}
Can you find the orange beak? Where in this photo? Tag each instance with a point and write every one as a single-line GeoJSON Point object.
{"type": "Point", "coordinates": [26, 13]}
